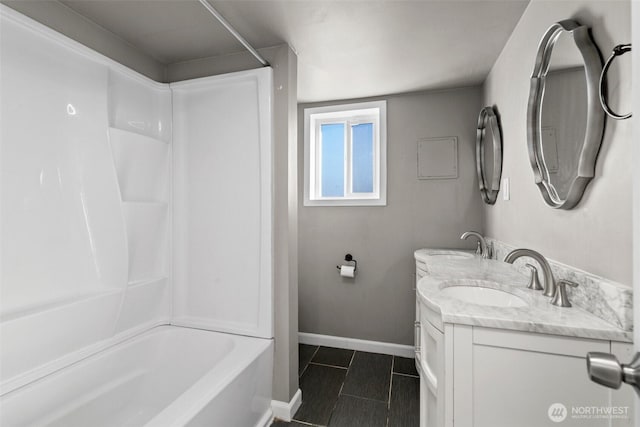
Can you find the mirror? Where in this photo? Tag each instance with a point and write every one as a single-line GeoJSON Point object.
{"type": "Point", "coordinates": [488, 155]}
{"type": "Point", "coordinates": [564, 121]}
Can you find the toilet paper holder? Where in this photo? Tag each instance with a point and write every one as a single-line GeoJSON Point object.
{"type": "Point", "coordinates": [349, 258]}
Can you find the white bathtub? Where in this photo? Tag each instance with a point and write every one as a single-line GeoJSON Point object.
{"type": "Point", "coordinates": [166, 376]}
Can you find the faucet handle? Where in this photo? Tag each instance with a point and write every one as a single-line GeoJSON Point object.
{"type": "Point", "coordinates": [534, 280]}
{"type": "Point", "coordinates": [560, 298]}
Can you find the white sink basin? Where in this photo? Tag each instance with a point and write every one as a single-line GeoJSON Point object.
{"type": "Point", "coordinates": [483, 296]}
{"type": "Point", "coordinates": [450, 254]}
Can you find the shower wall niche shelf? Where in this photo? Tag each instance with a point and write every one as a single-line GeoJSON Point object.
{"type": "Point", "coordinates": [140, 139]}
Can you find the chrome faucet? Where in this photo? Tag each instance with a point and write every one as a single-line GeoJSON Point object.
{"type": "Point", "coordinates": [549, 281]}
{"type": "Point", "coordinates": [482, 249]}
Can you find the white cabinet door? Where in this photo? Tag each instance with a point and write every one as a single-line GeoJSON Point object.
{"type": "Point", "coordinates": [517, 378]}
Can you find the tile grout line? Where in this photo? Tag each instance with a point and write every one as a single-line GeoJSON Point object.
{"type": "Point", "coordinates": [406, 375]}
{"type": "Point", "coordinates": [353, 356]}
{"type": "Point", "coordinates": [393, 359]}
{"type": "Point", "coordinates": [302, 422]}
{"type": "Point", "coordinates": [363, 398]}
{"type": "Point", "coordinates": [300, 376]}
{"type": "Point", "coordinates": [345, 376]}
{"type": "Point", "coordinates": [328, 366]}
{"type": "Point", "coordinates": [341, 387]}
{"type": "Point", "coordinates": [309, 362]}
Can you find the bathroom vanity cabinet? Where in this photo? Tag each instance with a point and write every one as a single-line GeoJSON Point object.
{"type": "Point", "coordinates": [493, 377]}
{"type": "Point", "coordinates": [483, 377]}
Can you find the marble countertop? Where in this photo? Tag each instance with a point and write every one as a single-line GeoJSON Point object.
{"type": "Point", "coordinates": [425, 255]}
{"type": "Point", "coordinates": [539, 315]}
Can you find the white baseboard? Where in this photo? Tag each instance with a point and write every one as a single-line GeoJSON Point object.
{"type": "Point", "coordinates": [286, 410]}
{"type": "Point", "coordinates": [356, 344]}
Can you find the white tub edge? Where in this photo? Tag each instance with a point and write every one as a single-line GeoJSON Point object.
{"type": "Point", "coordinates": [182, 410]}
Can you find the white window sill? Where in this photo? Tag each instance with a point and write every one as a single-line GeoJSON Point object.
{"type": "Point", "coordinates": [346, 202]}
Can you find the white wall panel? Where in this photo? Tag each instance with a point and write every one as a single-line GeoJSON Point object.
{"type": "Point", "coordinates": [147, 228]}
{"type": "Point", "coordinates": [143, 166]}
{"type": "Point", "coordinates": [145, 303]}
{"type": "Point", "coordinates": [62, 231]}
{"type": "Point", "coordinates": [139, 108]}
{"type": "Point", "coordinates": [222, 203]}
{"type": "Point", "coordinates": [43, 336]}
{"type": "Point", "coordinates": [66, 253]}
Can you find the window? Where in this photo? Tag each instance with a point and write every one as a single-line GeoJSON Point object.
{"type": "Point", "coordinates": [345, 155]}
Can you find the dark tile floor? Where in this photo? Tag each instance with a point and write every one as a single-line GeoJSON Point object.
{"type": "Point", "coordinates": [346, 388]}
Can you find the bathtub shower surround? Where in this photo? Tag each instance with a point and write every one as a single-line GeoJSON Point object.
{"type": "Point", "coordinates": [606, 299]}
{"type": "Point", "coordinates": [127, 206]}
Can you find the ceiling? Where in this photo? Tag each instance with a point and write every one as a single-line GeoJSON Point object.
{"type": "Point", "coordinates": [346, 49]}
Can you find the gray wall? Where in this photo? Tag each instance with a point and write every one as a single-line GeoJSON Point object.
{"type": "Point", "coordinates": [596, 235]}
{"type": "Point", "coordinates": [379, 304]}
{"type": "Point", "coordinates": [75, 26]}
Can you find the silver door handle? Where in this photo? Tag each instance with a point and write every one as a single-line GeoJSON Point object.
{"type": "Point", "coordinates": [605, 369]}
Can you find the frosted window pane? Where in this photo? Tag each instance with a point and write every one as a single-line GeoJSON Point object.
{"type": "Point", "coordinates": [332, 160]}
{"type": "Point", "coordinates": [362, 135]}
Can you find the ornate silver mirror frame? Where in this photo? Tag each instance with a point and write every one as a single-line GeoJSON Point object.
{"type": "Point", "coordinates": [594, 121]}
{"type": "Point", "coordinates": [488, 190]}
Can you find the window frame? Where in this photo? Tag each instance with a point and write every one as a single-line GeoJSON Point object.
{"type": "Point", "coordinates": [350, 114]}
